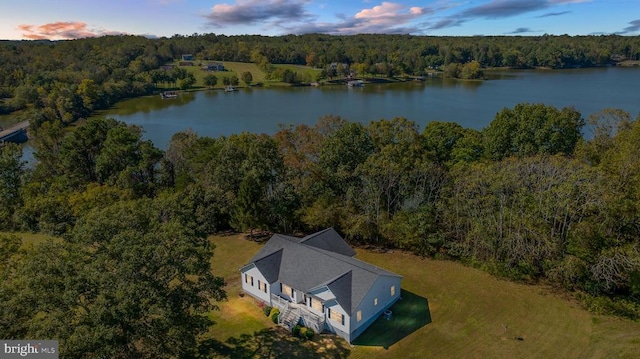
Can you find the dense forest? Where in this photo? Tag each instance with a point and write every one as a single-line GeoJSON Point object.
{"type": "Point", "coordinates": [527, 198]}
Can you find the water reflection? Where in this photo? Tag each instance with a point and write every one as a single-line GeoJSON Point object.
{"type": "Point", "coordinates": [148, 104]}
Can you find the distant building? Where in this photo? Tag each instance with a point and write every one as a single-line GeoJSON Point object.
{"type": "Point", "coordinates": [186, 63]}
{"type": "Point", "coordinates": [187, 57]}
{"type": "Point", "coordinates": [336, 65]}
{"type": "Point", "coordinates": [213, 66]}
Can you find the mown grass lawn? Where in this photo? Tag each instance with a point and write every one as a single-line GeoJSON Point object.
{"type": "Point", "coordinates": [302, 70]}
{"type": "Point", "coordinates": [237, 68]}
{"type": "Point", "coordinates": [240, 67]}
{"type": "Point", "coordinates": [238, 315]}
{"type": "Point", "coordinates": [408, 315]}
{"type": "Point", "coordinates": [31, 239]}
{"type": "Point", "coordinates": [470, 315]}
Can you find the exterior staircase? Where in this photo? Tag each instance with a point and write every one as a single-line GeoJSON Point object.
{"type": "Point", "coordinates": [289, 317]}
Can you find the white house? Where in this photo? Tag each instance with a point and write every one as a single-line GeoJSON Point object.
{"type": "Point", "coordinates": [316, 281]}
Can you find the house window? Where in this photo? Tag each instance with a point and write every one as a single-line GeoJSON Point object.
{"type": "Point", "coordinates": [375, 301]}
{"type": "Point", "coordinates": [393, 290]}
{"type": "Point", "coordinates": [359, 315]}
{"type": "Point", "coordinates": [285, 289]}
{"type": "Point", "coordinates": [316, 304]}
{"type": "Point", "coordinates": [262, 286]}
{"type": "Point", "coordinates": [336, 316]}
{"type": "Point", "coordinates": [248, 279]}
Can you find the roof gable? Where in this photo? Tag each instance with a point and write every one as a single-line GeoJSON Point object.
{"type": "Point", "coordinates": [342, 289]}
{"type": "Point", "coordinates": [329, 240]}
{"type": "Point", "coordinates": [269, 266]}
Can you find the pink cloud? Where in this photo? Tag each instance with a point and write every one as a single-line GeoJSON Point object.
{"type": "Point", "coordinates": [385, 10]}
{"type": "Point", "coordinates": [62, 30]}
{"type": "Point", "coordinates": [389, 13]}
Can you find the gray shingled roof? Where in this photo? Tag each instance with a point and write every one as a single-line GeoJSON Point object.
{"type": "Point", "coordinates": [269, 266]}
{"type": "Point", "coordinates": [304, 265]}
{"type": "Point", "coordinates": [342, 288]}
{"type": "Point", "coordinates": [330, 240]}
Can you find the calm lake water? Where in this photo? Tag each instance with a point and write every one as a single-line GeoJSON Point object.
{"type": "Point", "coordinates": [471, 104]}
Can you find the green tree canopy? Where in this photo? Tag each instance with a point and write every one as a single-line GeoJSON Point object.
{"type": "Point", "coordinates": [530, 129]}
{"type": "Point", "coordinates": [125, 283]}
{"type": "Point", "coordinates": [247, 78]}
{"type": "Point", "coordinates": [210, 80]}
{"type": "Point", "coordinates": [11, 172]}
{"type": "Point", "coordinates": [450, 143]}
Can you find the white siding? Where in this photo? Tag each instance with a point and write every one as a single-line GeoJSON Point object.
{"type": "Point", "coordinates": [338, 328]}
{"type": "Point", "coordinates": [381, 290]}
{"type": "Point", "coordinates": [253, 290]}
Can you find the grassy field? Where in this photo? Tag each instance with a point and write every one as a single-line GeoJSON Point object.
{"type": "Point", "coordinates": [31, 239]}
{"type": "Point", "coordinates": [240, 67]}
{"type": "Point", "coordinates": [238, 315]}
{"type": "Point", "coordinates": [237, 68]}
{"type": "Point", "coordinates": [448, 311]}
{"type": "Point", "coordinates": [302, 70]}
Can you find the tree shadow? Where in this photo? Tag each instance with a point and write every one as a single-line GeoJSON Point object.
{"type": "Point", "coordinates": [409, 314]}
{"type": "Point", "coordinates": [275, 343]}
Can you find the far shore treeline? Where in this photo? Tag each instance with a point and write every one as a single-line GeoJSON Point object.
{"type": "Point", "coordinates": [127, 273]}
{"type": "Point", "coordinates": [66, 80]}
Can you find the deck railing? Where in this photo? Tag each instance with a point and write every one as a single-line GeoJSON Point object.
{"type": "Point", "coordinates": [309, 319]}
{"type": "Point", "coordinates": [313, 321]}
{"type": "Point", "coordinates": [279, 302]}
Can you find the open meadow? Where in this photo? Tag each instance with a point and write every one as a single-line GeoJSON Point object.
{"type": "Point", "coordinates": [237, 68]}
{"type": "Point", "coordinates": [470, 314]}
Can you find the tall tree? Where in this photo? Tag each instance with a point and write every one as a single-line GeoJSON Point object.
{"type": "Point", "coordinates": [11, 172]}
{"type": "Point", "coordinates": [124, 284]}
{"type": "Point", "coordinates": [210, 80]}
{"type": "Point", "coordinates": [248, 214]}
{"type": "Point", "coordinates": [604, 125]}
{"type": "Point", "coordinates": [247, 78]}
{"type": "Point", "coordinates": [530, 129]}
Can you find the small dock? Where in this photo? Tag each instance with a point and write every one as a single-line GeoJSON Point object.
{"type": "Point", "coordinates": [16, 133]}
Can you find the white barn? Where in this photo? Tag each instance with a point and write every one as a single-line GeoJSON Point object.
{"type": "Point", "coordinates": [316, 281]}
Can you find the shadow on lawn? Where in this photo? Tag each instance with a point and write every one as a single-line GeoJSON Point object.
{"type": "Point", "coordinates": [409, 314]}
{"type": "Point", "coordinates": [274, 343]}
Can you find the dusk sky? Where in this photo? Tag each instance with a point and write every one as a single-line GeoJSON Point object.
{"type": "Point", "coordinates": [69, 19]}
